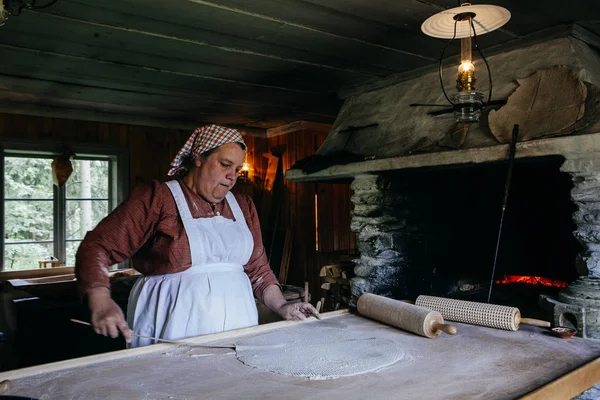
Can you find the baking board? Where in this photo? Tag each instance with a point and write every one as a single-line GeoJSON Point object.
{"type": "Point", "coordinates": [477, 363]}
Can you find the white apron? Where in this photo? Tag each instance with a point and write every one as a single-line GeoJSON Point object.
{"type": "Point", "coordinates": [213, 295]}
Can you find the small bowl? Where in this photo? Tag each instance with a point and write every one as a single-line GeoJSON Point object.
{"type": "Point", "coordinates": [563, 332]}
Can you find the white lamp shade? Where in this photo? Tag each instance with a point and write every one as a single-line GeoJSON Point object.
{"type": "Point", "coordinates": [487, 18]}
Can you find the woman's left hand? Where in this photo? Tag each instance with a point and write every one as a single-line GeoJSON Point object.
{"type": "Point", "coordinates": [297, 311]}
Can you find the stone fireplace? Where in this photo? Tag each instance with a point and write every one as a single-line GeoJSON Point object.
{"type": "Point", "coordinates": [435, 230]}
{"type": "Point", "coordinates": [427, 192]}
{"type": "Point", "coordinates": [414, 239]}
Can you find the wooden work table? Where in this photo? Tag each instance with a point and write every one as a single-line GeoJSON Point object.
{"type": "Point", "coordinates": [41, 308]}
{"type": "Point", "coordinates": [477, 363]}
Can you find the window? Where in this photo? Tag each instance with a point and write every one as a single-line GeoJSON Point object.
{"type": "Point", "coordinates": [87, 201]}
{"type": "Point", "coordinates": [44, 222]}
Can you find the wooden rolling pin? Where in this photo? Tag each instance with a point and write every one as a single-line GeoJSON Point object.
{"type": "Point", "coordinates": [5, 385]}
{"type": "Point", "coordinates": [405, 316]}
{"type": "Point", "coordinates": [471, 312]}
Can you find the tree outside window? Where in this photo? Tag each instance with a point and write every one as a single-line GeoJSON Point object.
{"type": "Point", "coordinates": [42, 220]}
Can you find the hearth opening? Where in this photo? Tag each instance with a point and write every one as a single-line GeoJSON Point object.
{"type": "Point", "coordinates": [454, 214]}
{"type": "Point", "coordinates": [568, 320]}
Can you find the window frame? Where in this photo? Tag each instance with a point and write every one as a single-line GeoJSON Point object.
{"type": "Point", "coordinates": [118, 157]}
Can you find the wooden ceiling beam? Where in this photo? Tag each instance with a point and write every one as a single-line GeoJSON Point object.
{"type": "Point", "coordinates": [76, 39]}
{"type": "Point", "coordinates": [50, 111]}
{"type": "Point", "coordinates": [51, 83]}
{"type": "Point", "coordinates": [18, 98]}
{"type": "Point", "coordinates": [308, 28]}
{"type": "Point", "coordinates": [134, 95]}
{"type": "Point", "coordinates": [153, 69]}
{"type": "Point", "coordinates": [202, 43]}
{"type": "Point", "coordinates": [325, 27]}
{"type": "Point", "coordinates": [159, 108]}
{"type": "Point", "coordinates": [239, 38]}
{"type": "Point", "coordinates": [298, 126]}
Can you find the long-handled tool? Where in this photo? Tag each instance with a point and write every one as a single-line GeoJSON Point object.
{"type": "Point", "coordinates": [179, 342]}
{"type": "Point", "coordinates": [511, 159]}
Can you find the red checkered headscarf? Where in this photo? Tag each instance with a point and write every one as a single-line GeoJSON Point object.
{"type": "Point", "coordinates": [204, 139]}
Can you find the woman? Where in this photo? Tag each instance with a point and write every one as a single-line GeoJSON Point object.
{"type": "Point", "coordinates": [197, 244]}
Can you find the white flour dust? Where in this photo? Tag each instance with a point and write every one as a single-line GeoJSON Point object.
{"type": "Point", "coordinates": [318, 352]}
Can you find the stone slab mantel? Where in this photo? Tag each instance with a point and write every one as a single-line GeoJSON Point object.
{"type": "Point", "coordinates": [571, 147]}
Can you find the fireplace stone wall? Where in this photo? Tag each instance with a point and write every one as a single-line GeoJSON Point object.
{"type": "Point", "coordinates": [387, 231]}
{"type": "Point", "coordinates": [578, 305]}
{"type": "Point", "coordinates": [585, 172]}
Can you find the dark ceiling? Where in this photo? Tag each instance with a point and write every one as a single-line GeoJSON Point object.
{"type": "Point", "coordinates": [255, 63]}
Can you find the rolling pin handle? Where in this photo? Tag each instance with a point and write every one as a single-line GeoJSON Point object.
{"type": "Point", "coordinates": [447, 328]}
{"type": "Point", "coordinates": [536, 322]}
{"type": "Point", "coordinates": [5, 385]}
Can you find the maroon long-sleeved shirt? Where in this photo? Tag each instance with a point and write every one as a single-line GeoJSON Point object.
{"type": "Point", "coordinates": [148, 229]}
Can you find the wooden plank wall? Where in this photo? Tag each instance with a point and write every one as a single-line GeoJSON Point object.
{"type": "Point", "coordinates": [152, 149]}
{"type": "Point", "coordinates": [335, 237]}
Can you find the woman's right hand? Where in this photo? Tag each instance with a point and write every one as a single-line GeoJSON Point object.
{"type": "Point", "coordinates": [107, 316]}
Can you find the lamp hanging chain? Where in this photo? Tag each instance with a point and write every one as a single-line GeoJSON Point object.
{"type": "Point", "coordinates": [441, 73]}
{"type": "Point", "coordinates": [484, 61]}
{"type": "Point", "coordinates": [441, 68]}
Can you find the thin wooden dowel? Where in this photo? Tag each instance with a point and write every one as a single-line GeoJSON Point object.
{"type": "Point", "coordinates": [164, 340]}
{"type": "Point", "coordinates": [536, 322]}
{"type": "Point", "coordinates": [306, 292]}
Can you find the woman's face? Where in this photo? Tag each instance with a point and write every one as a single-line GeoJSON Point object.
{"type": "Point", "coordinates": [217, 174]}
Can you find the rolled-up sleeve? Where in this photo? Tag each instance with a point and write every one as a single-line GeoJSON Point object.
{"type": "Point", "coordinates": [258, 268]}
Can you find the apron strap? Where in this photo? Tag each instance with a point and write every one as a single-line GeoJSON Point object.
{"type": "Point", "coordinates": [235, 208]}
{"type": "Point", "coordinates": [241, 221]}
{"type": "Point", "coordinates": [182, 206]}
{"type": "Point", "coordinates": [186, 217]}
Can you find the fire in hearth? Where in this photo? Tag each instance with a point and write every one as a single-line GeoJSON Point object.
{"type": "Point", "coordinates": [531, 280]}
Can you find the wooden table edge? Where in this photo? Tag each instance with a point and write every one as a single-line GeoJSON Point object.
{"type": "Point", "coordinates": [569, 385]}
{"type": "Point", "coordinates": [120, 354]}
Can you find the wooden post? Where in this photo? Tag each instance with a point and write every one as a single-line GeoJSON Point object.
{"type": "Point", "coordinates": [306, 292]}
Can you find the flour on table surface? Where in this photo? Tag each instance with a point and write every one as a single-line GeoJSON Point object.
{"type": "Point", "coordinates": [317, 352]}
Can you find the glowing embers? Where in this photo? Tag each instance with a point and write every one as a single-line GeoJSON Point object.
{"type": "Point", "coordinates": [531, 280]}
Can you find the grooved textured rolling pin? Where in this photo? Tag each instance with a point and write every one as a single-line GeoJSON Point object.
{"type": "Point", "coordinates": [471, 312]}
{"type": "Point", "coordinates": [405, 316]}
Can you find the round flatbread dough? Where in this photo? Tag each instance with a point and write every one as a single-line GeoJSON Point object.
{"type": "Point", "coordinates": [317, 352]}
